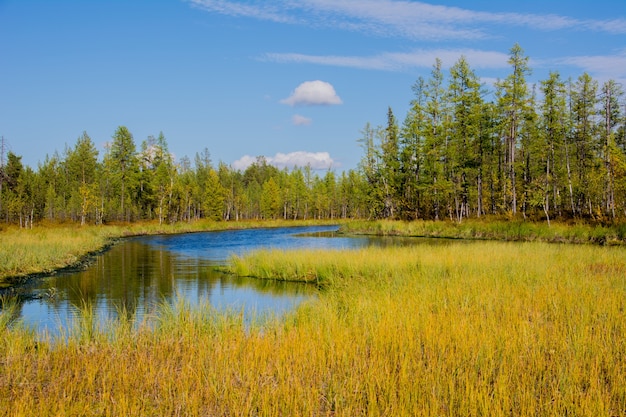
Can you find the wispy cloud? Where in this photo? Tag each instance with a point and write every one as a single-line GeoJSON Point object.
{"type": "Point", "coordinates": [604, 67]}
{"type": "Point", "coordinates": [316, 160]}
{"type": "Point", "coordinates": [274, 11]}
{"type": "Point", "coordinates": [299, 120]}
{"type": "Point", "coordinates": [424, 22]}
{"type": "Point", "coordinates": [409, 19]}
{"type": "Point", "coordinates": [398, 61]}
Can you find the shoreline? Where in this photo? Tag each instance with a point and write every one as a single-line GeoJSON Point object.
{"type": "Point", "coordinates": [105, 237]}
{"type": "Point", "coordinates": [99, 239]}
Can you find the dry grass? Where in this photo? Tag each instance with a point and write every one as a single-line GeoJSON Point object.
{"type": "Point", "coordinates": [486, 328]}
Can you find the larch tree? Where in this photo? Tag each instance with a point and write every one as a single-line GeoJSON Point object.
{"type": "Point", "coordinates": [123, 168]}
{"type": "Point", "coordinates": [548, 152]}
{"type": "Point", "coordinates": [465, 128]}
{"type": "Point", "coordinates": [390, 166]}
{"type": "Point", "coordinates": [586, 143]}
{"type": "Point", "coordinates": [436, 157]}
{"type": "Point", "coordinates": [370, 169]}
{"type": "Point", "coordinates": [612, 155]}
{"type": "Point", "coordinates": [271, 203]}
{"type": "Point", "coordinates": [513, 96]}
{"type": "Point", "coordinates": [412, 153]}
{"type": "Point", "coordinates": [82, 165]}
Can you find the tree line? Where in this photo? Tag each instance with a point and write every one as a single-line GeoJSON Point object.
{"type": "Point", "coordinates": [552, 150]}
{"type": "Point", "coordinates": [130, 184]}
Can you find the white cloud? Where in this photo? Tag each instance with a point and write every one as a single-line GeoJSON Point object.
{"type": "Point", "coordinates": [316, 160]}
{"type": "Point", "coordinates": [313, 93]}
{"type": "Point", "coordinates": [243, 162]}
{"type": "Point", "coordinates": [299, 120]}
{"type": "Point", "coordinates": [398, 61]}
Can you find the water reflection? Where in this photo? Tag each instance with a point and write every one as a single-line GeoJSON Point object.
{"type": "Point", "coordinates": [136, 276]}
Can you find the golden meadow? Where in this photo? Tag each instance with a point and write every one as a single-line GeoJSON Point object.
{"type": "Point", "coordinates": [463, 328]}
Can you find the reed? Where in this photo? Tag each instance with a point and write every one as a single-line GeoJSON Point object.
{"type": "Point", "coordinates": [482, 328]}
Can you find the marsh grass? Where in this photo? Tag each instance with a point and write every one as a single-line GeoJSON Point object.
{"type": "Point", "coordinates": [28, 251]}
{"type": "Point", "coordinates": [494, 229]}
{"type": "Point", "coordinates": [488, 328]}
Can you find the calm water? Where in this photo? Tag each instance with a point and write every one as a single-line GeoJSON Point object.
{"type": "Point", "coordinates": [139, 274]}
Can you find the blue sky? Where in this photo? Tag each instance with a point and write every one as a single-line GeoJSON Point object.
{"type": "Point", "coordinates": [292, 80]}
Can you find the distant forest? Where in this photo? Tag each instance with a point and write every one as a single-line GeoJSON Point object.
{"type": "Point", "coordinates": [552, 150]}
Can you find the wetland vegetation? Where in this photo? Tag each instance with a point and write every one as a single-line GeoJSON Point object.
{"type": "Point", "coordinates": [487, 328]}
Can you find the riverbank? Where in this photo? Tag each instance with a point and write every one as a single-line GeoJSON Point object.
{"type": "Point", "coordinates": [495, 229]}
{"type": "Point", "coordinates": [28, 253]}
{"type": "Point", "coordinates": [479, 328]}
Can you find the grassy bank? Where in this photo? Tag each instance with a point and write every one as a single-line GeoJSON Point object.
{"type": "Point", "coordinates": [486, 328]}
{"type": "Point", "coordinates": [494, 229]}
{"type": "Point", "coordinates": [50, 247]}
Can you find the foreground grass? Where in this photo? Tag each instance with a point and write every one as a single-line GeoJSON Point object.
{"type": "Point", "coordinates": [494, 229]}
{"type": "Point", "coordinates": [485, 328]}
{"type": "Point", "coordinates": [50, 247]}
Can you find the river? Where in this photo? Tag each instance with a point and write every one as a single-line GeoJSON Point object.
{"type": "Point", "coordinates": [139, 274]}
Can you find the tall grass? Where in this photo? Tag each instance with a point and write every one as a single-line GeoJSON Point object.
{"type": "Point", "coordinates": [463, 329]}
{"type": "Point", "coordinates": [27, 251]}
{"type": "Point", "coordinates": [494, 229]}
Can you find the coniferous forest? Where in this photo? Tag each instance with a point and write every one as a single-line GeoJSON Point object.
{"type": "Point", "coordinates": [551, 150]}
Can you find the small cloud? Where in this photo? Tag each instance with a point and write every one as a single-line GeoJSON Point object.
{"type": "Point", "coordinates": [301, 120]}
{"type": "Point", "coordinates": [312, 93]}
{"type": "Point", "coordinates": [316, 160]}
{"type": "Point", "coordinates": [243, 162]}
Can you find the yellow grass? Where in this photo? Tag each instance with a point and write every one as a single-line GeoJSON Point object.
{"type": "Point", "coordinates": [496, 229]}
{"type": "Point", "coordinates": [26, 251]}
{"type": "Point", "coordinates": [480, 329]}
